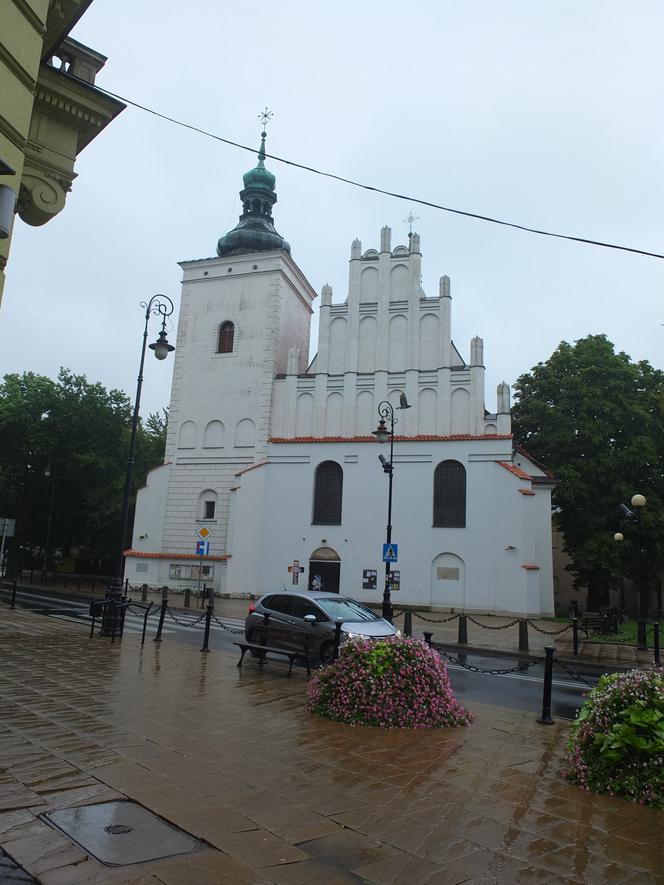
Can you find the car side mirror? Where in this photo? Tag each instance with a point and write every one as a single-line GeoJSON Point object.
{"type": "Point", "coordinates": [310, 619]}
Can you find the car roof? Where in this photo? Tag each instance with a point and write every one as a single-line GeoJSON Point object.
{"type": "Point", "coordinates": [306, 594]}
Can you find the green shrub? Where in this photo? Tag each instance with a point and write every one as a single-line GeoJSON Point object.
{"type": "Point", "coordinates": [617, 742]}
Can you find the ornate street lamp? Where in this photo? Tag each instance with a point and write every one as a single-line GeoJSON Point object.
{"type": "Point", "coordinates": [158, 305]}
{"type": "Point", "coordinates": [634, 515]}
{"type": "Point", "coordinates": [382, 434]}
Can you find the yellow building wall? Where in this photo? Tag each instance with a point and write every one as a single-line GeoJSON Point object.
{"type": "Point", "coordinates": [22, 29]}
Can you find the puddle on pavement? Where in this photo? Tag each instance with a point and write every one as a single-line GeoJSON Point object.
{"type": "Point", "coordinates": [121, 832]}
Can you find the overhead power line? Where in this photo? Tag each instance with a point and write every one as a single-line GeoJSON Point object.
{"type": "Point", "coordinates": [379, 190]}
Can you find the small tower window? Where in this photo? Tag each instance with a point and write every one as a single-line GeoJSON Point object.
{"type": "Point", "coordinates": [226, 336]}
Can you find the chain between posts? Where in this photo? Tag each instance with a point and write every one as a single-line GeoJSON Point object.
{"type": "Point", "coordinates": [434, 620]}
{"type": "Point", "coordinates": [489, 627]}
{"type": "Point", "coordinates": [223, 626]}
{"type": "Point", "coordinates": [548, 632]}
{"type": "Point", "coordinates": [185, 623]}
{"type": "Point", "coordinates": [571, 673]}
{"type": "Point", "coordinates": [495, 671]}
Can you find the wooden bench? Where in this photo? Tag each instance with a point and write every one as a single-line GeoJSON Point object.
{"type": "Point", "coordinates": [260, 651]}
{"type": "Point", "coordinates": [591, 623]}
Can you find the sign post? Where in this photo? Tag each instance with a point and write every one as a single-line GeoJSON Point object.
{"type": "Point", "coordinates": [202, 549]}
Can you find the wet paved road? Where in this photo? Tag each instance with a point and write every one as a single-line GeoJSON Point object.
{"type": "Point", "coordinates": [519, 690]}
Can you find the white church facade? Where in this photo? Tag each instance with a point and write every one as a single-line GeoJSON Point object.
{"type": "Point", "coordinates": [277, 460]}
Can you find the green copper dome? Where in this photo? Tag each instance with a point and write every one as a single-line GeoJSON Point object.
{"type": "Point", "coordinates": [255, 231]}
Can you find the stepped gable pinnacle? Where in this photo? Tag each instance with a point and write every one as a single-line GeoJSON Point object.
{"type": "Point", "coordinates": [255, 231]}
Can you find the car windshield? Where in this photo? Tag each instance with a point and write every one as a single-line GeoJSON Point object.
{"type": "Point", "coordinates": [347, 609]}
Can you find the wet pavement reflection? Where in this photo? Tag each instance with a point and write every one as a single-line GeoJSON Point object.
{"type": "Point", "coordinates": [277, 796]}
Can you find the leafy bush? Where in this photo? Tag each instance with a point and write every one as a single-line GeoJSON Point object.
{"type": "Point", "coordinates": [617, 742]}
{"type": "Point", "coordinates": [392, 683]}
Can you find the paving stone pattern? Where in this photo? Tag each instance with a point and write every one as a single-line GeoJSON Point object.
{"type": "Point", "coordinates": [278, 796]}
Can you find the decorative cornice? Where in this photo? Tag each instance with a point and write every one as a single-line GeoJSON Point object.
{"type": "Point", "coordinates": [12, 134]}
{"type": "Point", "coordinates": [422, 437]}
{"type": "Point", "coordinates": [17, 69]}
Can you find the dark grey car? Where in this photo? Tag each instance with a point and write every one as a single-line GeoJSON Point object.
{"type": "Point", "coordinates": [299, 616]}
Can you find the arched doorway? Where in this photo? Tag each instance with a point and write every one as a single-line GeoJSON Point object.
{"type": "Point", "coordinates": [448, 582]}
{"type": "Point", "coordinates": [324, 570]}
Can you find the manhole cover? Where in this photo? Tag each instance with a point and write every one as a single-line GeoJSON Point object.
{"type": "Point", "coordinates": [121, 832]}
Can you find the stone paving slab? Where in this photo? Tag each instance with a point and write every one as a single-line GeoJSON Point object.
{"type": "Point", "coordinates": [277, 795]}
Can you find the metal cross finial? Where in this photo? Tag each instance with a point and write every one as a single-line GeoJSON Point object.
{"type": "Point", "coordinates": [410, 218]}
{"type": "Point", "coordinates": [265, 117]}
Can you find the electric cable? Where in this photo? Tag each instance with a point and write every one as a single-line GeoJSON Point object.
{"type": "Point", "coordinates": [421, 202]}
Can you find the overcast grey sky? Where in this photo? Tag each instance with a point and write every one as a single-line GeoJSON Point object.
{"type": "Point", "coordinates": [545, 113]}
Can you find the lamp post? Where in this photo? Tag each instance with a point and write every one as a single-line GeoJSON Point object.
{"type": "Point", "coordinates": [49, 473]}
{"type": "Point", "coordinates": [158, 305]}
{"type": "Point", "coordinates": [382, 434]}
{"type": "Point", "coordinates": [634, 515]}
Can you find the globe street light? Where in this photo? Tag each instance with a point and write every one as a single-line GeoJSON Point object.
{"type": "Point", "coordinates": [382, 434]}
{"type": "Point", "coordinates": [158, 305]}
{"type": "Point", "coordinates": [634, 515]}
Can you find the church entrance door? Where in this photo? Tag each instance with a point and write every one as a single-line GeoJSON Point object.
{"type": "Point", "coordinates": [324, 570]}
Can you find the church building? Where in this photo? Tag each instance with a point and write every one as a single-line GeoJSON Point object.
{"type": "Point", "coordinates": [272, 460]}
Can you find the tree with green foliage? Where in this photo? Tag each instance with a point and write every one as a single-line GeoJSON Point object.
{"type": "Point", "coordinates": [595, 418]}
{"type": "Point", "coordinates": [62, 464]}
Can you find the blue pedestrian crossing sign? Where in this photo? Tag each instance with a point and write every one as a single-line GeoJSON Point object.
{"type": "Point", "coordinates": [202, 548]}
{"type": "Point", "coordinates": [390, 553]}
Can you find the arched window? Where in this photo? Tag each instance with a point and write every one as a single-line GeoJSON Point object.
{"type": "Point", "coordinates": [207, 504]}
{"type": "Point", "coordinates": [226, 335]}
{"type": "Point", "coordinates": [449, 495]}
{"type": "Point", "coordinates": [328, 492]}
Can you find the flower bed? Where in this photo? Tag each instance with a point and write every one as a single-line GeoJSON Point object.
{"type": "Point", "coordinates": [617, 743]}
{"type": "Point", "coordinates": [392, 683]}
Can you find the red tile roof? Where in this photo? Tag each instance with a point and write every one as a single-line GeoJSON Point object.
{"type": "Point", "coordinates": [517, 471]}
{"type": "Point", "coordinates": [422, 437]}
{"type": "Point", "coordinates": [530, 566]}
{"type": "Point", "coordinates": [139, 555]}
{"type": "Point", "coordinates": [526, 491]}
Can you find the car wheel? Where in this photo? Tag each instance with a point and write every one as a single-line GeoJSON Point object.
{"type": "Point", "coordinates": [253, 637]}
{"type": "Point", "coordinates": [326, 653]}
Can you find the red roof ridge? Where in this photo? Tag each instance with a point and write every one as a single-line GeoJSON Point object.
{"type": "Point", "coordinates": [137, 554]}
{"type": "Point", "coordinates": [517, 471]}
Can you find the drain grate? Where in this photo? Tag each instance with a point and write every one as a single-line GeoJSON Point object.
{"type": "Point", "coordinates": [121, 832]}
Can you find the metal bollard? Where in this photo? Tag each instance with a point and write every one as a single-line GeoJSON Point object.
{"type": "Point", "coordinates": [655, 641]}
{"type": "Point", "coordinates": [144, 593]}
{"type": "Point", "coordinates": [523, 634]}
{"type": "Point", "coordinates": [187, 597]}
{"type": "Point", "coordinates": [13, 602]}
{"type": "Point", "coordinates": [206, 635]}
{"type": "Point", "coordinates": [575, 608]}
{"type": "Point", "coordinates": [463, 630]}
{"type": "Point", "coordinates": [145, 622]}
{"type": "Point", "coordinates": [266, 624]}
{"type": "Point", "coordinates": [408, 624]}
{"type": "Point", "coordinates": [575, 637]}
{"type": "Point", "coordinates": [545, 718]}
{"type": "Point", "coordinates": [162, 613]}
{"type": "Point", "coordinates": [427, 638]}
{"type": "Point", "coordinates": [338, 624]}
{"type": "Point", "coordinates": [641, 635]}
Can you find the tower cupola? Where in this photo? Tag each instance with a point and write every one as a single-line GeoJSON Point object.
{"type": "Point", "coordinates": [255, 231]}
